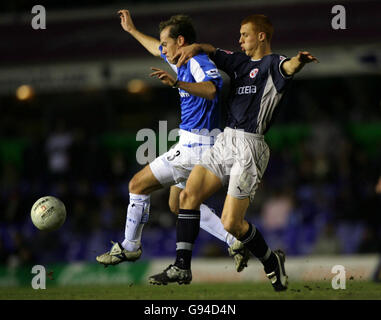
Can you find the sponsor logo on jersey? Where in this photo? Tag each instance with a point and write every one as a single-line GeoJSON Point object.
{"type": "Point", "coordinates": [253, 73]}
{"type": "Point", "coordinates": [213, 73]}
{"type": "Point", "coordinates": [246, 90]}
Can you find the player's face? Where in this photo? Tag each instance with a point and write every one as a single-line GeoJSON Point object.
{"type": "Point", "coordinates": [249, 39]}
{"type": "Point", "coordinates": [169, 45]}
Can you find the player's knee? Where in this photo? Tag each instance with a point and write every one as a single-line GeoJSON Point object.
{"type": "Point", "coordinates": [134, 186]}
{"type": "Point", "coordinates": [230, 225]}
{"type": "Point", "coordinates": [189, 200]}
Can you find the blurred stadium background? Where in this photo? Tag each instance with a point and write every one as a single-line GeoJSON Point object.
{"type": "Point", "coordinates": [74, 96]}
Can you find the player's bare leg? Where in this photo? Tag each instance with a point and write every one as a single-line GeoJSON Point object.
{"type": "Point", "coordinates": [212, 224]}
{"type": "Point", "coordinates": [141, 186]}
{"type": "Point", "coordinates": [144, 182]}
{"type": "Point", "coordinates": [201, 184]}
{"type": "Point", "coordinates": [233, 215]}
{"type": "Point", "coordinates": [233, 219]}
{"type": "Point", "coordinates": [209, 221]}
{"type": "Point", "coordinates": [188, 225]}
{"type": "Point", "coordinates": [174, 202]}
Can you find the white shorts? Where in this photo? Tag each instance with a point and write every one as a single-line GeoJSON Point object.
{"type": "Point", "coordinates": [174, 166]}
{"type": "Point", "coordinates": [239, 159]}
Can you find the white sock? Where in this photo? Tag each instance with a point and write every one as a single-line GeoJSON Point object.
{"type": "Point", "coordinates": [211, 223]}
{"type": "Point", "coordinates": [137, 216]}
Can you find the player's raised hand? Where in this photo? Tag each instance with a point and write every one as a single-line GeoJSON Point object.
{"type": "Point", "coordinates": [126, 20]}
{"type": "Point", "coordinates": [163, 76]}
{"type": "Point", "coordinates": [306, 57]}
{"type": "Point", "coordinates": [183, 54]}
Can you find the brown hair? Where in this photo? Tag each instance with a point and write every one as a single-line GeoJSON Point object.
{"type": "Point", "coordinates": [261, 23]}
{"type": "Point", "coordinates": [181, 25]}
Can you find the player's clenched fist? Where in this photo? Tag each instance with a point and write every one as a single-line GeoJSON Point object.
{"type": "Point", "coordinates": [126, 20]}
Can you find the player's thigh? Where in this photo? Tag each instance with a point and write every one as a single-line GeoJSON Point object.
{"type": "Point", "coordinates": [144, 182]}
{"type": "Point", "coordinates": [201, 184]}
{"type": "Point", "coordinates": [233, 215]}
{"type": "Point", "coordinates": [174, 201]}
{"type": "Point", "coordinates": [170, 167]}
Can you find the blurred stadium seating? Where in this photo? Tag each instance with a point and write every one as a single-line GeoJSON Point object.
{"type": "Point", "coordinates": [74, 136]}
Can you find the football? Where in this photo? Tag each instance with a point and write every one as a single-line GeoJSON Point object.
{"type": "Point", "coordinates": [48, 213]}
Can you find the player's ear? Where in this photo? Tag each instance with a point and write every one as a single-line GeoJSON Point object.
{"type": "Point", "coordinates": [180, 41]}
{"type": "Point", "coordinates": [261, 36]}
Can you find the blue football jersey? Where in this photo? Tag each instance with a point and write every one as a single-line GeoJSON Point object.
{"type": "Point", "coordinates": [256, 89]}
{"type": "Point", "coordinates": [198, 113]}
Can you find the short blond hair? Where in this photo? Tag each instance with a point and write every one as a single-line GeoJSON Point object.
{"type": "Point", "coordinates": [261, 23]}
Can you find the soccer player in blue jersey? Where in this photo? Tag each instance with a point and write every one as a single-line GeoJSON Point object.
{"type": "Point", "coordinates": [238, 159]}
{"type": "Point", "coordinates": [198, 83]}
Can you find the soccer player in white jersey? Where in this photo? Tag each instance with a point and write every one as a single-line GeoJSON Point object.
{"type": "Point", "coordinates": [239, 157]}
{"type": "Point", "coordinates": [199, 84]}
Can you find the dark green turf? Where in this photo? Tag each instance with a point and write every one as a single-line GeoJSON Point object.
{"type": "Point", "coordinates": [229, 291]}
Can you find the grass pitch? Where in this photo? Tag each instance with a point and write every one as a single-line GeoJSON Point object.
{"type": "Point", "coordinates": [355, 290]}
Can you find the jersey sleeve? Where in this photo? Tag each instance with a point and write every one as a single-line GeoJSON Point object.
{"type": "Point", "coordinates": [203, 69]}
{"type": "Point", "coordinates": [279, 77]}
{"type": "Point", "coordinates": [227, 61]}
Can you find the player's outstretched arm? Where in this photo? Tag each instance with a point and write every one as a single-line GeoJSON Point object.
{"type": "Point", "coordinates": [295, 64]}
{"type": "Point", "coordinates": [205, 89]}
{"type": "Point", "coordinates": [185, 53]}
{"type": "Point", "coordinates": [150, 43]}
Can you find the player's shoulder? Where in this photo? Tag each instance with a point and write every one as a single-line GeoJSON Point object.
{"type": "Point", "coordinates": [277, 56]}
{"type": "Point", "coordinates": [275, 61]}
{"type": "Point", "coordinates": [202, 61]}
{"type": "Point", "coordinates": [200, 58]}
{"type": "Point", "coordinates": [272, 59]}
{"type": "Point", "coordinates": [201, 66]}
